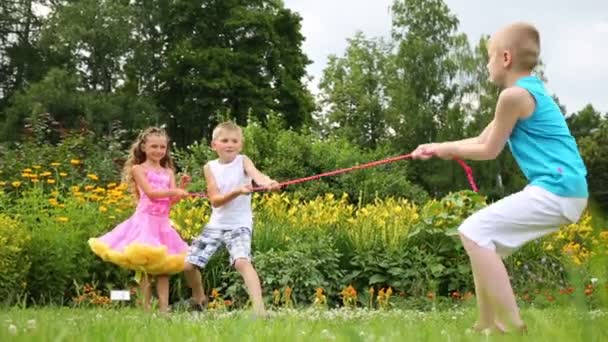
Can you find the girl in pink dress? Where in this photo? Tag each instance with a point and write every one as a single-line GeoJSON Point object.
{"type": "Point", "coordinates": [146, 242]}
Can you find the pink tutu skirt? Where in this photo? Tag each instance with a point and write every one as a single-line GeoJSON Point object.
{"type": "Point", "coordinates": [145, 243]}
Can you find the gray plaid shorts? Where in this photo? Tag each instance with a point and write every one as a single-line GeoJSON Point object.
{"type": "Point", "coordinates": [237, 241]}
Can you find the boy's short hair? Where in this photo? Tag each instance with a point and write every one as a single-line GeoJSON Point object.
{"type": "Point", "coordinates": [524, 40]}
{"type": "Point", "coordinates": [227, 126]}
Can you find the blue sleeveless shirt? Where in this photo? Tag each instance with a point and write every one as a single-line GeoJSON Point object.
{"type": "Point", "coordinates": [543, 147]}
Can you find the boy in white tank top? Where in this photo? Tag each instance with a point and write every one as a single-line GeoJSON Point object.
{"type": "Point", "coordinates": [229, 190]}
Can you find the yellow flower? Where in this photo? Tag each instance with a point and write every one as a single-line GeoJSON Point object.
{"type": "Point", "coordinates": [45, 174]}
{"type": "Point", "coordinates": [53, 202]}
{"type": "Point", "coordinates": [26, 175]}
{"type": "Point", "coordinates": [92, 176]}
{"type": "Point", "coordinates": [28, 170]}
{"type": "Point", "coordinates": [16, 184]}
{"type": "Point", "coordinates": [63, 174]}
{"type": "Point", "coordinates": [55, 164]}
{"type": "Point", "coordinates": [36, 167]}
{"type": "Point", "coordinates": [89, 187]}
{"type": "Point", "coordinates": [112, 217]}
{"type": "Point", "coordinates": [62, 219]}
{"type": "Point", "coordinates": [111, 185]}
{"type": "Point", "coordinates": [35, 180]}
{"type": "Point", "coordinates": [103, 209]}
{"type": "Point", "coordinates": [50, 181]}
{"type": "Point", "coordinates": [74, 161]}
{"type": "Point", "coordinates": [2, 183]}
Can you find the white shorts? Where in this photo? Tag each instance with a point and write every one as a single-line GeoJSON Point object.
{"type": "Point", "coordinates": [524, 216]}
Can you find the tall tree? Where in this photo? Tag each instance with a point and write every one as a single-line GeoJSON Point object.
{"type": "Point", "coordinates": [233, 57]}
{"type": "Point", "coordinates": [425, 32]}
{"type": "Point", "coordinates": [20, 58]}
{"type": "Point", "coordinates": [584, 122]}
{"type": "Point", "coordinates": [90, 38]}
{"type": "Point", "coordinates": [353, 90]}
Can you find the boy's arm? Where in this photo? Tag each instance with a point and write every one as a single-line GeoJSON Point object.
{"type": "Point", "coordinates": [481, 138]}
{"type": "Point", "coordinates": [213, 193]}
{"type": "Point", "coordinates": [257, 176]}
{"type": "Point", "coordinates": [513, 103]}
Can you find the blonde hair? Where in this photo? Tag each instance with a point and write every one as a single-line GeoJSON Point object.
{"type": "Point", "coordinates": [227, 126]}
{"type": "Point", "coordinates": [523, 40]}
{"type": "Point", "coordinates": [138, 156]}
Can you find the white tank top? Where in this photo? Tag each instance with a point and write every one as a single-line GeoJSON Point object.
{"type": "Point", "coordinates": [236, 213]}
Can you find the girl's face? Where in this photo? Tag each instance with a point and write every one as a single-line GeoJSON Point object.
{"type": "Point", "coordinates": [227, 145]}
{"type": "Point", "coordinates": [155, 147]}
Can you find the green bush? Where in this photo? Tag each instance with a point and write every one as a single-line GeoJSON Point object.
{"type": "Point", "coordinates": [303, 265]}
{"type": "Point", "coordinates": [58, 251]}
{"type": "Point", "coordinates": [286, 155]}
{"type": "Point", "coordinates": [14, 258]}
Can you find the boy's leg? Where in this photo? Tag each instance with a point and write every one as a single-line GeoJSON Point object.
{"type": "Point", "coordinates": [195, 282]}
{"type": "Point", "coordinates": [252, 282]}
{"type": "Point", "coordinates": [502, 227]}
{"type": "Point", "coordinates": [238, 243]}
{"type": "Point", "coordinates": [486, 313]}
{"type": "Point", "coordinates": [492, 287]}
{"type": "Point", "coordinates": [201, 250]}
{"type": "Point", "coordinates": [162, 290]}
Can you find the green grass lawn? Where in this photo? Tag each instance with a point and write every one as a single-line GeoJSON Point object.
{"type": "Point", "coordinates": [127, 324]}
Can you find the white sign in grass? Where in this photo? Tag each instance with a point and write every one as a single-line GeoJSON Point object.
{"type": "Point", "coordinates": [120, 295]}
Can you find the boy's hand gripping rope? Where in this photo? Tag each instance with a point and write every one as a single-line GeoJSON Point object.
{"type": "Point", "coordinates": [467, 170]}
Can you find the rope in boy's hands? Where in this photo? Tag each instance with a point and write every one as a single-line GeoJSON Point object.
{"type": "Point", "coordinates": [467, 170]}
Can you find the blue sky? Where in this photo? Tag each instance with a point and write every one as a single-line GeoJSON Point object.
{"type": "Point", "coordinates": [574, 36]}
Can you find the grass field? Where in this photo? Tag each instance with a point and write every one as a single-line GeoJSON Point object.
{"type": "Point", "coordinates": [127, 324]}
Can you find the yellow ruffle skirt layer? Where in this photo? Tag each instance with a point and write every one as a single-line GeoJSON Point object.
{"type": "Point", "coordinates": [139, 257]}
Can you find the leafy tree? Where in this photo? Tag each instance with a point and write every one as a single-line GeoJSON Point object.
{"type": "Point", "coordinates": [232, 57]}
{"type": "Point", "coordinates": [353, 89]}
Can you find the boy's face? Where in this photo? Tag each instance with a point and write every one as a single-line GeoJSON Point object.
{"type": "Point", "coordinates": [499, 60]}
{"type": "Point", "coordinates": [228, 144]}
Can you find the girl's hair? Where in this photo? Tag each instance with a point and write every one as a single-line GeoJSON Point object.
{"type": "Point", "coordinates": [138, 156]}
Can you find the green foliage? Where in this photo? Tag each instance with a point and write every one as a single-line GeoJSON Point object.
{"type": "Point", "coordinates": [286, 155]}
{"type": "Point", "coordinates": [14, 258]}
{"type": "Point", "coordinates": [595, 154]}
{"type": "Point", "coordinates": [302, 264]}
{"type": "Point", "coordinates": [238, 57]}
{"type": "Point", "coordinates": [58, 249]}
{"type": "Point", "coordinates": [353, 89]}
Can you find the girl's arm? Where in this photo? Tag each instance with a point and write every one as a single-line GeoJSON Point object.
{"type": "Point", "coordinates": [183, 183]}
{"type": "Point", "coordinates": [139, 175]}
{"type": "Point", "coordinates": [217, 200]}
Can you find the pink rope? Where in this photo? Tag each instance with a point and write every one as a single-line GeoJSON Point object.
{"type": "Point", "coordinates": [467, 170]}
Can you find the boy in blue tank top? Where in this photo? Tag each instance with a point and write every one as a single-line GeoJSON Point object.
{"type": "Point", "coordinates": [529, 121]}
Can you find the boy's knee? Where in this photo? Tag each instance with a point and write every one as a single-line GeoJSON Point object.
{"type": "Point", "coordinates": [242, 264]}
{"type": "Point", "coordinates": [188, 267]}
{"type": "Point", "coordinates": [469, 245]}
